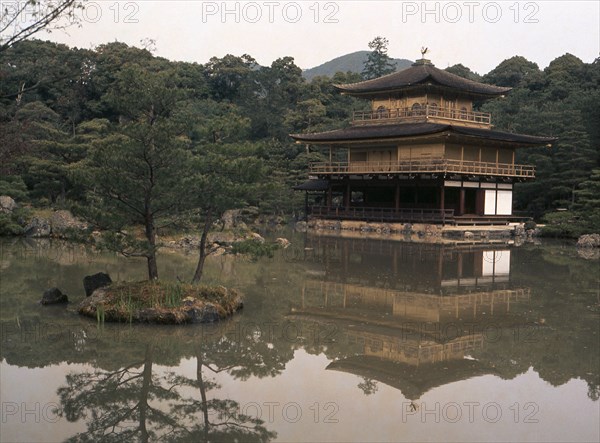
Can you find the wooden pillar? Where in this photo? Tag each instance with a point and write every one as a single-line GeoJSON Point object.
{"type": "Point", "coordinates": [461, 202]}
{"type": "Point", "coordinates": [329, 196]}
{"type": "Point", "coordinates": [459, 262]}
{"type": "Point", "coordinates": [442, 195]}
{"type": "Point", "coordinates": [397, 194]}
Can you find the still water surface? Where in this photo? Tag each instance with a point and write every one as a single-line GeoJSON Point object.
{"type": "Point", "coordinates": [339, 340]}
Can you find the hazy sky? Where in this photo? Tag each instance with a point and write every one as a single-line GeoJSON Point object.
{"type": "Point", "coordinates": [479, 34]}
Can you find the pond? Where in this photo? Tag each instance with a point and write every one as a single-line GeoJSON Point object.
{"type": "Point", "coordinates": [339, 340]}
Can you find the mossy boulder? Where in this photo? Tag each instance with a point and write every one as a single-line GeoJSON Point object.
{"type": "Point", "coordinates": [54, 296]}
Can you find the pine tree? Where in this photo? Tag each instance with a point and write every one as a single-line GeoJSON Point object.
{"type": "Point", "coordinates": [378, 63]}
{"type": "Point", "coordinates": [137, 175]}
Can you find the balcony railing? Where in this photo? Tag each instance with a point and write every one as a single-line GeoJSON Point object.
{"type": "Point", "coordinates": [385, 214]}
{"type": "Point", "coordinates": [419, 113]}
{"type": "Point", "coordinates": [428, 166]}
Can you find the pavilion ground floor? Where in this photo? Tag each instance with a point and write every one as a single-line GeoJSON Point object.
{"type": "Point", "coordinates": [413, 200]}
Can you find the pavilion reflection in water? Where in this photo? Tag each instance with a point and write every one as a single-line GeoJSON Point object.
{"type": "Point", "coordinates": [417, 321]}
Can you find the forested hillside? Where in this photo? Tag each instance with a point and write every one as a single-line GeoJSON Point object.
{"type": "Point", "coordinates": [60, 106]}
{"type": "Point", "coordinates": [353, 62]}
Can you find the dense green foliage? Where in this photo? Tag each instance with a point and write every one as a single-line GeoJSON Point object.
{"type": "Point", "coordinates": [65, 111]}
{"type": "Point", "coordinates": [563, 101]}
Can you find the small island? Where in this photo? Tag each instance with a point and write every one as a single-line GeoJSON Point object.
{"type": "Point", "coordinates": [160, 302]}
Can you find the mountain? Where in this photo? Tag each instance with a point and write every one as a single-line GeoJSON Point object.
{"type": "Point", "coordinates": [353, 62]}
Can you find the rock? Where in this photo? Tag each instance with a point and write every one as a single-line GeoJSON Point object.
{"type": "Point", "coordinates": [207, 314]}
{"type": "Point", "coordinates": [93, 282]}
{"type": "Point", "coordinates": [229, 218]}
{"type": "Point", "coordinates": [7, 204]}
{"type": "Point", "coordinates": [238, 218]}
{"type": "Point", "coordinates": [89, 304]}
{"type": "Point", "coordinates": [589, 253]}
{"type": "Point", "coordinates": [222, 238]}
{"type": "Point", "coordinates": [283, 242]}
{"type": "Point", "coordinates": [259, 238]}
{"type": "Point", "coordinates": [62, 221]}
{"type": "Point", "coordinates": [301, 226]}
{"type": "Point", "coordinates": [38, 227]}
{"type": "Point", "coordinates": [589, 241]}
{"type": "Point", "coordinates": [468, 235]}
{"type": "Point", "coordinates": [188, 242]}
{"type": "Point", "coordinates": [219, 251]}
{"type": "Point", "coordinates": [53, 296]}
{"type": "Point", "coordinates": [407, 227]}
{"type": "Point", "coordinates": [519, 231]}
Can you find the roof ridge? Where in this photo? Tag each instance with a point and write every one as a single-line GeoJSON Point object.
{"type": "Point", "coordinates": [336, 85]}
{"type": "Point", "coordinates": [419, 74]}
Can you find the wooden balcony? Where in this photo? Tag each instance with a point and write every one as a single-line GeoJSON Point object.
{"type": "Point", "coordinates": [423, 113]}
{"type": "Point", "coordinates": [428, 166]}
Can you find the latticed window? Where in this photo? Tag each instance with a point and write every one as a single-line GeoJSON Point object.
{"type": "Point", "coordinates": [382, 112]}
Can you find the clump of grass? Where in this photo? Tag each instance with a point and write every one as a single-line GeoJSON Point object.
{"type": "Point", "coordinates": [100, 313]}
{"type": "Point", "coordinates": [173, 294]}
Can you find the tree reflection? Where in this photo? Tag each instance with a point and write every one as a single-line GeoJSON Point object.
{"type": "Point", "coordinates": [222, 420]}
{"type": "Point", "coordinates": [368, 386]}
{"type": "Point", "coordinates": [119, 405]}
{"type": "Point", "coordinates": [139, 403]}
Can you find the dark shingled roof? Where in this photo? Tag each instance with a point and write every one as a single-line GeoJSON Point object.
{"type": "Point", "coordinates": [420, 73]}
{"type": "Point", "coordinates": [412, 381]}
{"type": "Point", "coordinates": [312, 185]}
{"type": "Point", "coordinates": [382, 132]}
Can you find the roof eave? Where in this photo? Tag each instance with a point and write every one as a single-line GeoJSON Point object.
{"type": "Point", "coordinates": [372, 92]}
